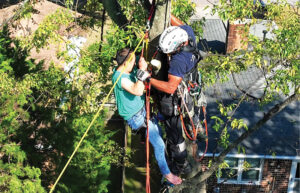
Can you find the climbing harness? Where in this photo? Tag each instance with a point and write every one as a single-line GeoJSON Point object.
{"type": "Point", "coordinates": [184, 91]}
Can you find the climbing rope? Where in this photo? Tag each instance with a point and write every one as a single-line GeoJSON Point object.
{"type": "Point", "coordinates": [194, 131]}
{"type": "Point", "coordinates": [95, 117]}
{"type": "Point", "coordinates": [195, 146]}
{"type": "Point", "coordinates": [191, 120]}
{"type": "Point", "coordinates": [148, 87]}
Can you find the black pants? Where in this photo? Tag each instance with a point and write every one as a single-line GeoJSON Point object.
{"type": "Point", "coordinates": [174, 130]}
{"type": "Point", "coordinates": [177, 156]}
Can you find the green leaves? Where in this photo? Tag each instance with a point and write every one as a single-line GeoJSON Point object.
{"type": "Point", "coordinates": [238, 123]}
{"type": "Point", "coordinates": [183, 9]}
{"type": "Point", "coordinates": [234, 9]}
{"type": "Point", "coordinates": [48, 30]}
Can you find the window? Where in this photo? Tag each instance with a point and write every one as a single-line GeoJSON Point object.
{"type": "Point", "coordinates": [294, 183]}
{"type": "Point", "coordinates": [241, 171]}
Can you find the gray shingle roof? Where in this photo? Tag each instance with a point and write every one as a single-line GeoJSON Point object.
{"type": "Point", "coordinates": [279, 136]}
{"type": "Point", "coordinates": [214, 36]}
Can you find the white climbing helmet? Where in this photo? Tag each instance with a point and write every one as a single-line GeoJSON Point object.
{"type": "Point", "coordinates": [172, 38]}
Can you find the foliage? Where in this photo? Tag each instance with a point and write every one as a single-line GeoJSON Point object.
{"type": "Point", "coordinates": [235, 9]}
{"type": "Point", "coordinates": [184, 9]}
{"type": "Point", "coordinates": [17, 175]}
{"type": "Point", "coordinates": [135, 13]}
{"type": "Point", "coordinates": [277, 58]}
{"type": "Point", "coordinates": [93, 11]}
{"type": "Point", "coordinates": [48, 30]}
{"type": "Point", "coordinates": [45, 113]}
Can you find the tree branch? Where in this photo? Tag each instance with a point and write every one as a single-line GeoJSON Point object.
{"type": "Point", "coordinates": [270, 114]}
{"type": "Point", "coordinates": [242, 90]}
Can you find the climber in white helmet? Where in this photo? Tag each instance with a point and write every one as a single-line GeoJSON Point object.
{"type": "Point", "coordinates": [174, 42]}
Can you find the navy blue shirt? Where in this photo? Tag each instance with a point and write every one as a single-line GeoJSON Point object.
{"type": "Point", "coordinates": [182, 62]}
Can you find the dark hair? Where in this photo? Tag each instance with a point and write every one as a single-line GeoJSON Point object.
{"type": "Point", "coordinates": [122, 55]}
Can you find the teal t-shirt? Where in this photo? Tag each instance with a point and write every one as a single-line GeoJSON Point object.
{"type": "Point", "coordinates": [127, 103]}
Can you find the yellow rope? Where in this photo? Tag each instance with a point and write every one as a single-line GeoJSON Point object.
{"type": "Point", "coordinates": [96, 115]}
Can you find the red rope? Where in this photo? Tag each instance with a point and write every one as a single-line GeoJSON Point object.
{"type": "Point", "coordinates": [151, 11]}
{"type": "Point", "coordinates": [184, 128]}
{"type": "Point", "coordinates": [148, 85]}
{"type": "Point", "coordinates": [194, 130]}
{"type": "Point", "coordinates": [206, 140]}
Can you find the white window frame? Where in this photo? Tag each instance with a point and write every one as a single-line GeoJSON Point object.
{"type": "Point", "coordinates": [292, 177]}
{"type": "Point", "coordinates": [240, 172]}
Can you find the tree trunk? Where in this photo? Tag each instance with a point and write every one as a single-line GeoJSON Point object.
{"type": "Point", "coordinates": [189, 187]}
{"type": "Point", "coordinates": [114, 11]}
{"type": "Point", "coordinates": [160, 22]}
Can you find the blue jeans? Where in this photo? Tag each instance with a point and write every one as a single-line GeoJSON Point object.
{"type": "Point", "coordinates": [155, 133]}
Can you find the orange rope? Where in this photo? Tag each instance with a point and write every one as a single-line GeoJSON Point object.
{"type": "Point", "coordinates": [148, 85]}
{"type": "Point", "coordinates": [194, 147]}
{"type": "Point", "coordinates": [184, 128]}
{"type": "Point", "coordinates": [206, 140]}
{"type": "Point", "coordinates": [181, 117]}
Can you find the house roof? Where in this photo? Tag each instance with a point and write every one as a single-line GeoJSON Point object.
{"type": "Point", "coordinates": [279, 136]}
{"type": "Point", "coordinates": [27, 26]}
{"type": "Point", "coordinates": [214, 36]}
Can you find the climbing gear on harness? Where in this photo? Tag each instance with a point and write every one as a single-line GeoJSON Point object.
{"type": "Point", "coordinates": [172, 38]}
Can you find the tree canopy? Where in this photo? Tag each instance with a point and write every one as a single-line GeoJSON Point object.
{"type": "Point", "coordinates": [44, 113]}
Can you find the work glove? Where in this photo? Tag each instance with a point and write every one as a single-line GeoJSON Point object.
{"type": "Point", "coordinates": [156, 65]}
{"type": "Point", "coordinates": [143, 75]}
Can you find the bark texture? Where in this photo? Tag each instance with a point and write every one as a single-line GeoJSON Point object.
{"type": "Point", "coordinates": [114, 11]}
{"type": "Point", "coordinates": [161, 20]}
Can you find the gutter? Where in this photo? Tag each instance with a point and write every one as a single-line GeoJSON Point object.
{"type": "Point", "coordinates": [294, 158]}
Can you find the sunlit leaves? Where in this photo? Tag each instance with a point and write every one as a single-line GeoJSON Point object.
{"type": "Point", "coordinates": [234, 9]}
{"type": "Point", "coordinates": [48, 30]}
{"type": "Point", "coordinates": [16, 174]}
{"type": "Point", "coordinates": [183, 9]}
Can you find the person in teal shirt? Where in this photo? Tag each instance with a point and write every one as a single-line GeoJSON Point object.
{"type": "Point", "coordinates": [130, 99]}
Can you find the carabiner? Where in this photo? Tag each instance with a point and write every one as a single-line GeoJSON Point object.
{"type": "Point", "coordinates": [148, 26]}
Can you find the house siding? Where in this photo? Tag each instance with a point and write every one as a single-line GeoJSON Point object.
{"type": "Point", "coordinates": [275, 179]}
